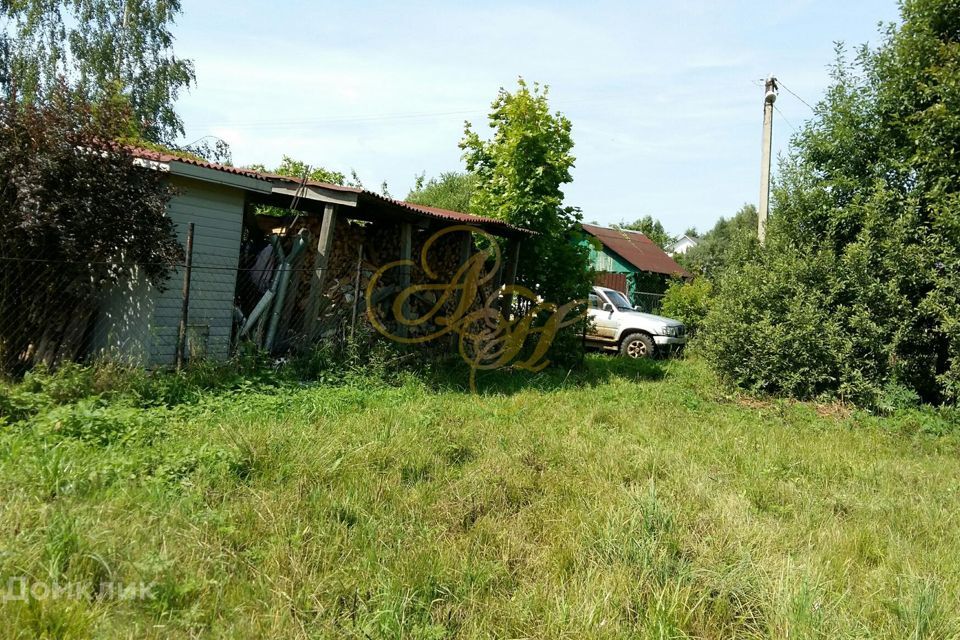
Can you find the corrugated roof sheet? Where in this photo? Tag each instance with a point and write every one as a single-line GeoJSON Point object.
{"type": "Point", "coordinates": [161, 156]}
{"type": "Point", "coordinates": [431, 212]}
{"type": "Point", "coordinates": [457, 216]}
{"type": "Point", "coordinates": [637, 249]}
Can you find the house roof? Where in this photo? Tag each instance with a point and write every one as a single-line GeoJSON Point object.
{"type": "Point", "coordinates": [362, 194]}
{"type": "Point", "coordinates": [637, 249]}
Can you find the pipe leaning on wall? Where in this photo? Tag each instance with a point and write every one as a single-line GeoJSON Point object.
{"type": "Point", "coordinates": [282, 285]}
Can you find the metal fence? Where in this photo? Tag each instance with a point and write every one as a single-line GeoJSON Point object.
{"type": "Point", "coordinates": [208, 307]}
{"type": "Point", "coordinates": [647, 302]}
{"type": "Point", "coordinates": [51, 311]}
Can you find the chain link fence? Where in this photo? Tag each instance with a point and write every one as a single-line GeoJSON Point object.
{"type": "Point", "coordinates": [647, 302]}
{"type": "Point", "coordinates": [272, 297]}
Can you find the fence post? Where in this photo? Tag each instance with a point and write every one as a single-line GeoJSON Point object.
{"type": "Point", "coordinates": [185, 307]}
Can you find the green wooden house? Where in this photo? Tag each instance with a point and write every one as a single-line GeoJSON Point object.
{"type": "Point", "coordinates": [630, 262]}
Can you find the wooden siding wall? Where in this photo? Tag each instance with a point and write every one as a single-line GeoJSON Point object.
{"type": "Point", "coordinates": [217, 214]}
{"type": "Point", "coordinates": [138, 324]}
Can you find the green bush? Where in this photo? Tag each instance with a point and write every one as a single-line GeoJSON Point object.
{"type": "Point", "coordinates": [774, 329]}
{"type": "Point", "coordinates": [688, 302]}
{"type": "Point", "coordinates": [856, 291]}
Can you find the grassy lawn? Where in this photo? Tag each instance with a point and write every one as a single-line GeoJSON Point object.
{"type": "Point", "coordinates": [629, 500]}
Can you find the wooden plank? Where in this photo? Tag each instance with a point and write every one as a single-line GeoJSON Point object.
{"type": "Point", "coordinates": [406, 249]}
{"type": "Point", "coordinates": [321, 261]}
{"type": "Point", "coordinates": [466, 247]}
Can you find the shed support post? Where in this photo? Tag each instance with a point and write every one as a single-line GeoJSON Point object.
{"type": "Point", "coordinates": [406, 250]}
{"type": "Point", "coordinates": [320, 269]}
{"type": "Point", "coordinates": [508, 275]}
{"type": "Point", "coordinates": [466, 248]}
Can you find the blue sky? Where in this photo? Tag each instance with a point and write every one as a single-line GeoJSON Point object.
{"type": "Point", "coordinates": [663, 96]}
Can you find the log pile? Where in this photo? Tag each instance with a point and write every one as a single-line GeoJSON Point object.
{"type": "Point", "coordinates": [368, 246]}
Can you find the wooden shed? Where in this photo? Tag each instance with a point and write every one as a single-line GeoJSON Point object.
{"type": "Point", "coordinates": [139, 324]}
{"type": "Point", "coordinates": [329, 240]}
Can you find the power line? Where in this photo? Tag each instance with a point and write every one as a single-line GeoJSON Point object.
{"type": "Point", "coordinates": [335, 120]}
{"type": "Point", "coordinates": [423, 115]}
{"type": "Point", "coordinates": [795, 95]}
{"type": "Point", "coordinates": [785, 118]}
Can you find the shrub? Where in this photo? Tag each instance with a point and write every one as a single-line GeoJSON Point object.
{"type": "Point", "coordinates": [688, 302]}
{"type": "Point", "coordinates": [856, 292]}
{"type": "Point", "coordinates": [76, 217]}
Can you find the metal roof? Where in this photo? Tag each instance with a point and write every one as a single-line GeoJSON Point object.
{"type": "Point", "coordinates": [420, 210]}
{"type": "Point", "coordinates": [162, 156]}
{"type": "Point", "coordinates": [454, 216]}
{"type": "Point", "coordinates": [637, 249]}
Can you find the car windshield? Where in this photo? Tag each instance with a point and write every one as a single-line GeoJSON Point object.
{"type": "Point", "coordinates": [619, 301]}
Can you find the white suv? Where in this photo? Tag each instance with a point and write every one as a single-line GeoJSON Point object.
{"type": "Point", "coordinates": [615, 324]}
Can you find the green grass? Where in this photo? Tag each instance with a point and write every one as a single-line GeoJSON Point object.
{"type": "Point", "coordinates": [626, 500]}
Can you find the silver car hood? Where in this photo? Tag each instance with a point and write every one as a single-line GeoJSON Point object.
{"type": "Point", "coordinates": [670, 322]}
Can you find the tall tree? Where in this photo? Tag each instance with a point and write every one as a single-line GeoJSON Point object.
{"type": "Point", "coordinates": [653, 229]}
{"type": "Point", "coordinates": [107, 49]}
{"type": "Point", "coordinates": [451, 190]}
{"type": "Point", "coordinates": [519, 174]}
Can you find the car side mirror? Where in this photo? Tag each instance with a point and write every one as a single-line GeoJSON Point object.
{"type": "Point", "coordinates": [608, 307]}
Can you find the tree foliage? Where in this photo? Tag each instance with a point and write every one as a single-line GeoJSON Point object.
{"type": "Point", "coordinates": [688, 302]}
{"type": "Point", "coordinates": [76, 216]}
{"type": "Point", "coordinates": [299, 169]}
{"type": "Point", "coordinates": [712, 255]}
{"type": "Point", "coordinates": [653, 229]}
{"type": "Point", "coordinates": [519, 175]}
{"type": "Point", "coordinates": [106, 49]}
{"type": "Point", "coordinates": [858, 289]}
{"type": "Point", "coordinates": [452, 190]}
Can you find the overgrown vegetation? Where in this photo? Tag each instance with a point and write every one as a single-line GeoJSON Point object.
{"type": "Point", "coordinates": [688, 302]}
{"type": "Point", "coordinates": [77, 217]}
{"type": "Point", "coordinates": [645, 503]}
{"type": "Point", "coordinates": [857, 293]}
{"type": "Point", "coordinates": [721, 247]}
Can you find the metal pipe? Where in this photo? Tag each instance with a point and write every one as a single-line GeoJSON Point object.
{"type": "Point", "coordinates": [283, 281]}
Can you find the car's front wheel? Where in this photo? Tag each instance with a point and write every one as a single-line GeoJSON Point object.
{"type": "Point", "coordinates": [637, 345]}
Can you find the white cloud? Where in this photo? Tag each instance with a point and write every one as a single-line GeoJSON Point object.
{"type": "Point", "coordinates": [665, 115]}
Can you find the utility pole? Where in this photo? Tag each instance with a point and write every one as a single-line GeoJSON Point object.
{"type": "Point", "coordinates": [769, 97]}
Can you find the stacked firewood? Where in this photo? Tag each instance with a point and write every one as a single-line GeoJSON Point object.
{"type": "Point", "coordinates": [359, 250]}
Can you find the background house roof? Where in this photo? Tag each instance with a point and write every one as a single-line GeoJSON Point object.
{"type": "Point", "coordinates": [637, 249]}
